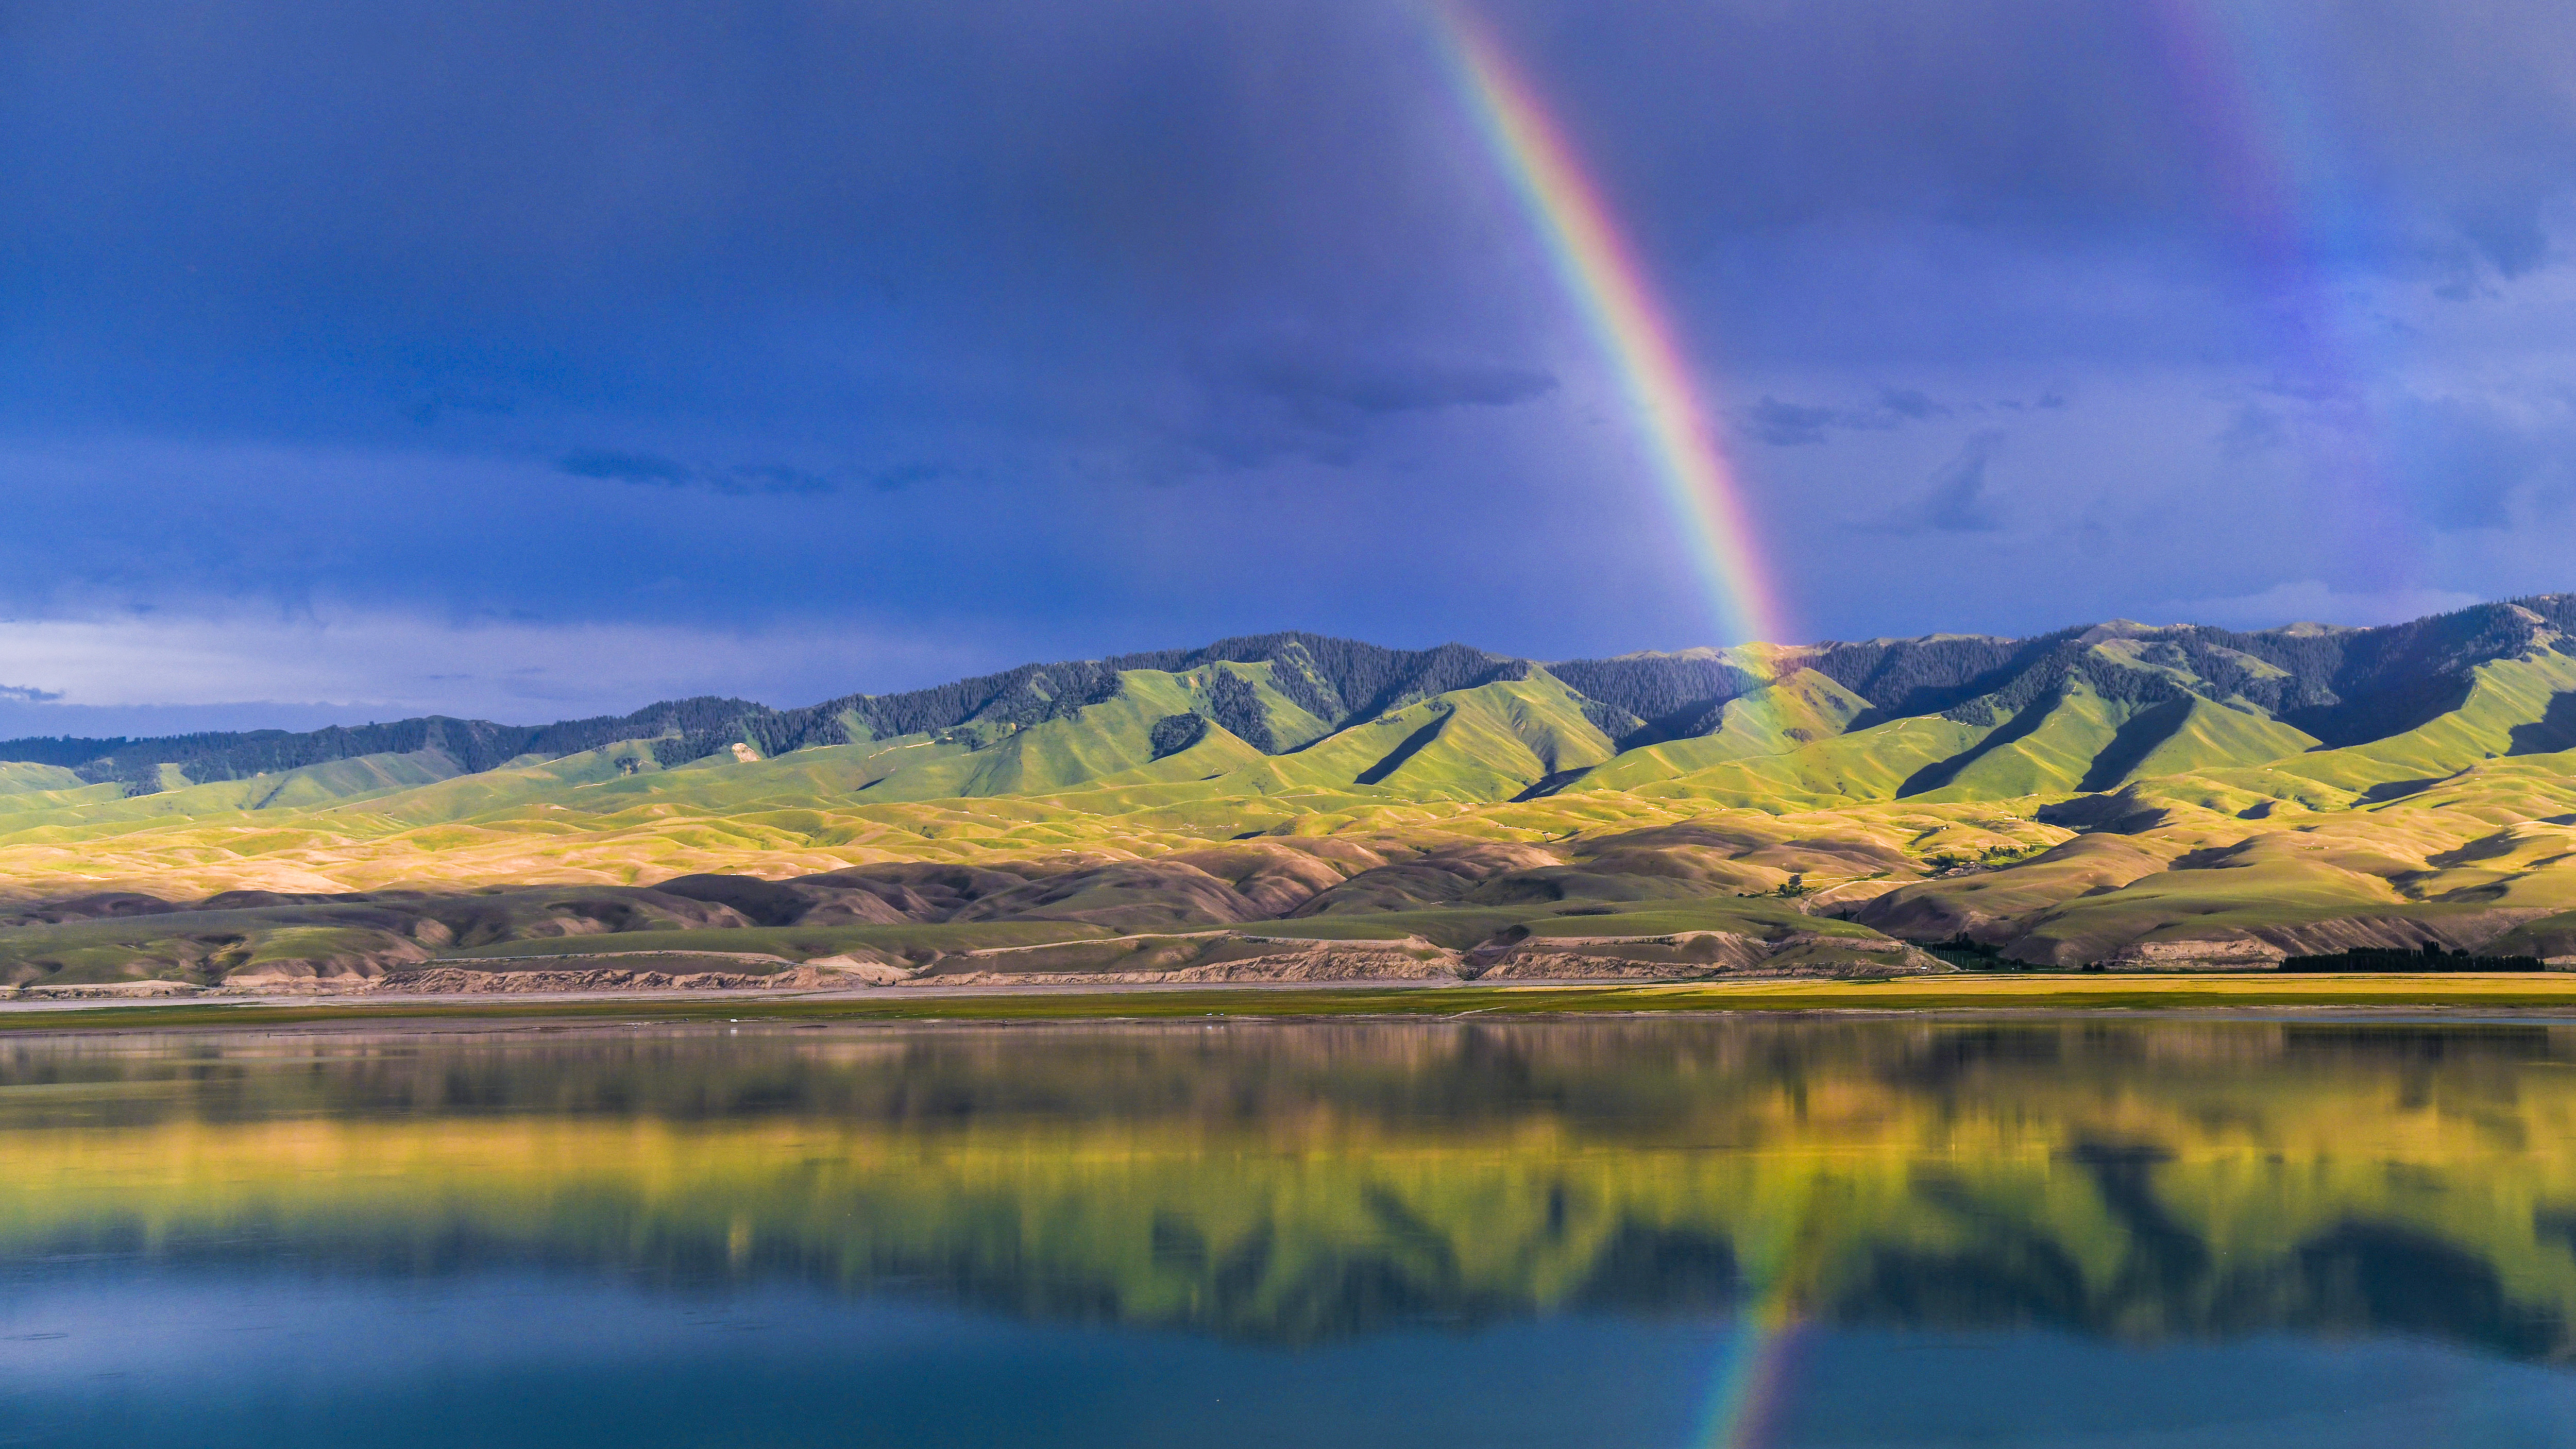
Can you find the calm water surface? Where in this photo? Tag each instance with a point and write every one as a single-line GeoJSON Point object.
{"type": "Point", "coordinates": [1648, 1233]}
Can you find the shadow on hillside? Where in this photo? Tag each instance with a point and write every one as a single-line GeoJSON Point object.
{"type": "Point", "coordinates": [2555, 730]}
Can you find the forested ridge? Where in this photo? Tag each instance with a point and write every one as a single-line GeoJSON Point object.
{"type": "Point", "coordinates": [2339, 684]}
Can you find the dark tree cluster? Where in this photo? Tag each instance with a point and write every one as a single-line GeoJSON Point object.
{"type": "Point", "coordinates": [1343, 681]}
{"type": "Point", "coordinates": [1233, 704]}
{"type": "Point", "coordinates": [1293, 673]}
{"type": "Point", "coordinates": [2430, 958]}
{"type": "Point", "coordinates": [2352, 685]}
{"type": "Point", "coordinates": [1647, 697]}
{"type": "Point", "coordinates": [1616, 723]}
{"type": "Point", "coordinates": [1174, 733]}
{"type": "Point", "coordinates": [1925, 676]}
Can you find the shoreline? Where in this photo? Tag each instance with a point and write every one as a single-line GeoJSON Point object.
{"type": "Point", "coordinates": [2017, 994]}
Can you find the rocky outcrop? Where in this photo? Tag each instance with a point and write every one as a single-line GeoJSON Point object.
{"type": "Point", "coordinates": [2260, 948]}
{"type": "Point", "coordinates": [1334, 961]}
{"type": "Point", "coordinates": [2232, 951]}
{"type": "Point", "coordinates": [1845, 957]}
{"type": "Point", "coordinates": [101, 991]}
{"type": "Point", "coordinates": [871, 970]}
{"type": "Point", "coordinates": [451, 981]}
{"type": "Point", "coordinates": [1631, 958]}
{"type": "Point", "coordinates": [1700, 955]}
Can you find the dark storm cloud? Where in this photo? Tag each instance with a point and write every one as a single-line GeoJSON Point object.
{"type": "Point", "coordinates": [1321, 405]}
{"type": "Point", "coordinates": [2472, 460]}
{"type": "Point", "coordinates": [2049, 401]}
{"type": "Point", "coordinates": [303, 302]}
{"type": "Point", "coordinates": [1910, 403]}
{"type": "Point", "coordinates": [1377, 385]}
{"type": "Point", "coordinates": [1957, 501]}
{"type": "Point", "coordinates": [1790, 425]}
{"type": "Point", "coordinates": [1793, 425]}
{"type": "Point", "coordinates": [2252, 429]}
{"type": "Point", "coordinates": [27, 694]}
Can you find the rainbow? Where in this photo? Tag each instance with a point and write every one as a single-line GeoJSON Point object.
{"type": "Point", "coordinates": [1602, 275]}
{"type": "Point", "coordinates": [1750, 1389]}
{"type": "Point", "coordinates": [1752, 1377]}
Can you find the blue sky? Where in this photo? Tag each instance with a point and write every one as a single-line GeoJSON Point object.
{"type": "Point", "coordinates": [524, 359]}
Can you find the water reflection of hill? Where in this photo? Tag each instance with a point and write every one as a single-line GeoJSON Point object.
{"type": "Point", "coordinates": [2134, 1180]}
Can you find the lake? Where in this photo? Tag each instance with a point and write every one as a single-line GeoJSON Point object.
{"type": "Point", "coordinates": [1640, 1231]}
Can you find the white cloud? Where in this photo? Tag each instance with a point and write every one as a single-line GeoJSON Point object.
{"type": "Point", "coordinates": [2312, 602]}
{"type": "Point", "coordinates": [386, 665]}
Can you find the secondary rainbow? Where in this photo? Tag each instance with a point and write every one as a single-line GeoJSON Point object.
{"type": "Point", "coordinates": [1600, 272]}
{"type": "Point", "coordinates": [2289, 198]}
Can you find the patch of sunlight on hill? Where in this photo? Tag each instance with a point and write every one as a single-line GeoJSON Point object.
{"type": "Point", "coordinates": [1481, 744]}
{"type": "Point", "coordinates": [1865, 765]}
{"type": "Point", "coordinates": [357, 777]}
{"type": "Point", "coordinates": [2509, 703]}
{"type": "Point", "coordinates": [1781, 716]}
{"type": "Point", "coordinates": [2206, 736]}
{"type": "Point", "coordinates": [19, 778]}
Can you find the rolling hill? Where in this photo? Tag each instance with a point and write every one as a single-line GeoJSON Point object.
{"type": "Point", "coordinates": [2115, 795]}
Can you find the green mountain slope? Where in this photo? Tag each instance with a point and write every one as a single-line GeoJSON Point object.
{"type": "Point", "coordinates": [1798, 708]}
{"type": "Point", "coordinates": [1487, 743]}
{"type": "Point", "coordinates": [1866, 765]}
{"type": "Point", "coordinates": [2113, 794]}
{"type": "Point", "coordinates": [2513, 706]}
{"type": "Point", "coordinates": [2195, 734]}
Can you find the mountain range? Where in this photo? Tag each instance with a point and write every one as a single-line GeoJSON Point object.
{"type": "Point", "coordinates": [2116, 795]}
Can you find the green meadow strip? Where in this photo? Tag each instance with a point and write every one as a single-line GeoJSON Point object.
{"type": "Point", "coordinates": [1953, 994]}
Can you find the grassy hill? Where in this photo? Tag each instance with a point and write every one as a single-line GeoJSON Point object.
{"type": "Point", "coordinates": [2116, 795]}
